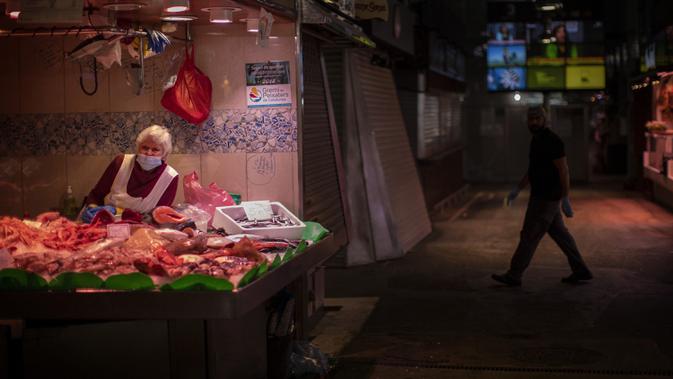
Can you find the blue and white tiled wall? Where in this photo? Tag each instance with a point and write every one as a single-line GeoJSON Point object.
{"type": "Point", "coordinates": [265, 130]}
{"type": "Point", "coordinates": [40, 154]}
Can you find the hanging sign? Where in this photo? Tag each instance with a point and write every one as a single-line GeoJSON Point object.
{"type": "Point", "coordinates": [370, 9]}
{"type": "Point", "coordinates": [268, 84]}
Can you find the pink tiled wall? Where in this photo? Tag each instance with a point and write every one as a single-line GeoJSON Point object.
{"type": "Point", "coordinates": [37, 79]}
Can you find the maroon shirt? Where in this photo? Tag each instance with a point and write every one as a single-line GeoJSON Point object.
{"type": "Point", "coordinates": [140, 183]}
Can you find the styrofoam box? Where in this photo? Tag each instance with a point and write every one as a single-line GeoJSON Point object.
{"type": "Point", "coordinates": [225, 218]}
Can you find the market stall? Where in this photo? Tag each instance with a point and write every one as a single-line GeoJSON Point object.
{"type": "Point", "coordinates": [82, 277]}
{"type": "Point", "coordinates": [235, 322]}
{"type": "Point", "coordinates": [658, 154]}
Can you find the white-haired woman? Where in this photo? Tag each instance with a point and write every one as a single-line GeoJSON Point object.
{"type": "Point", "coordinates": [140, 181]}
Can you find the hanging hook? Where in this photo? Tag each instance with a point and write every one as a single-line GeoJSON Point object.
{"type": "Point", "coordinates": [95, 78]}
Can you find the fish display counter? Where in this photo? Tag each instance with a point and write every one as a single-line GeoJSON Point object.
{"type": "Point", "coordinates": [205, 292]}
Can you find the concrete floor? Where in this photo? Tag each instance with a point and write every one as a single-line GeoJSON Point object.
{"type": "Point", "coordinates": [439, 315]}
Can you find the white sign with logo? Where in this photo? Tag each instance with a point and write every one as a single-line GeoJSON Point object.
{"type": "Point", "coordinates": [268, 84]}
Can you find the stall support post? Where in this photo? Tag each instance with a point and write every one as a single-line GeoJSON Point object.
{"type": "Point", "coordinates": [237, 348]}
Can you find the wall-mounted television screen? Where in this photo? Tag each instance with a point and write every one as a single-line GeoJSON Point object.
{"type": "Point", "coordinates": [584, 31]}
{"type": "Point", "coordinates": [506, 78]}
{"type": "Point", "coordinates": [544, 55]}
{"type": "Point", "coordinates": [506, 55]}
{"type": "Point", "coordinates": [546, 78]}
{"type": "Point", "coordinates": [506, 32]}
{"type": "Point", "coordinates": [586, 53]}
{"type": "Point", "coordinates": [565, 32]}
{"type": "Point", "coordinates": [556, 55]}
{"type": "Point", "coordinates": [585, 77]}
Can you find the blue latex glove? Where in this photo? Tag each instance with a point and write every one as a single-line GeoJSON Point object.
{"type": "Point", "coordinates": [566, 208]}
{"type": "Point", "coordinates": [90, 213]}
{"type": "Point", "coordinates": [513, 194]}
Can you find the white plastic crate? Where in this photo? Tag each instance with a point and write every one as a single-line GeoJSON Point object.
{"type": "Point", "coordinates": [225, 218]}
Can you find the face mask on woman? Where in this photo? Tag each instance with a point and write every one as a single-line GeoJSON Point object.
{"type": "Point", "coordinates": [147, 162]}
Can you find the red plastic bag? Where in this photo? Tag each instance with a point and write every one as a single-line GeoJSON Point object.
{"type": "Point", "coordinates": [191, 95]}
{"type": "Point", "coordinates": [205, 198]}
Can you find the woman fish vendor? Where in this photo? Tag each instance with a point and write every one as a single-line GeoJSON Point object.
{"type": "Point", "coordinates": [140, 181]}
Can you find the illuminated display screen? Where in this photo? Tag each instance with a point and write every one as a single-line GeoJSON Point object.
{"type": "Point", "coordinates": [585, 77]}
{"type": "Point", "coordinates": [506, 78]}
{"type": "Point", "coordinates": [559, 55]}
{"type": "Point", "coordinates": [506, 55]}
{"type": "Point", "coordinates": [546, 78]}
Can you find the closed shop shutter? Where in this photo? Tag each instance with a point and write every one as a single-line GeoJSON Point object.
{"type": "Point", "coordinates": [321, 191]}
{"type": "Point", "coordinates": [335, 71]}
{"type": "Point", "coordinates": [429, 133]}
{"type": "Point", "coordinates": [386, 145]}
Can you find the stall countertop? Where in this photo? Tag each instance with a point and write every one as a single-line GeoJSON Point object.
{"type": "Point", "coordinates": [155, 305]}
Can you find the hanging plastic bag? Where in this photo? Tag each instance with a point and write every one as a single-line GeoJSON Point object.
{"type": "Point", "coordinates": [265, 24]}
{"type": "Point", "coordinates": [173, 62]}
{"type": "Point", "coordinates": [206, 199]}
{"type": "Point", "coordinates": [191, 95]}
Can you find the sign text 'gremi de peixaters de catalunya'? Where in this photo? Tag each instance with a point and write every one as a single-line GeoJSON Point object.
{"type": "Point", "coordinates": [268, 84]}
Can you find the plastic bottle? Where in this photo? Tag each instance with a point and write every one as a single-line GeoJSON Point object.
{"type": "Point", "coordinates": [69, 208]}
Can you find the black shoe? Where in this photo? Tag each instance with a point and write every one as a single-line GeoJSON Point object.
{"type": "Point", "coordinates": [507, 280]}
{"type": "Point", "coordinates": [575, 278]}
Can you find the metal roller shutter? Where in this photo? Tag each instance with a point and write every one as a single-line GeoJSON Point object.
{"type": "Point", "coordinates": [386, 150]}
{"type": "Point", "coordinates": [322, 194]}
{"type": "Point", "coordinates": [335, 71]}
{"type": "Point", "coordinates": [429, 134]}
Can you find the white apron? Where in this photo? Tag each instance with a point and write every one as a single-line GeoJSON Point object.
{"type": "Point", "coordinates": [118, 196]}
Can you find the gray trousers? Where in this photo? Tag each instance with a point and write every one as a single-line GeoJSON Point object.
{"type": "Point", "coordinates": [543, 216]}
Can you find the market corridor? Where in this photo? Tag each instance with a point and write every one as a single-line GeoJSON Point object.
{"type": "Point", "coordinates": [439, 314]}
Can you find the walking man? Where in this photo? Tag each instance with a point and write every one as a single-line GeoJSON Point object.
{"type": "Point", "coordinates": [549, 181]}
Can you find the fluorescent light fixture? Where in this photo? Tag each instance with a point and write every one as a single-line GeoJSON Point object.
{"type": "Point", "coordinates": [252, 24]}
{"type": "Point", "coordinates": [179, 17]}
{"type": "Point", "coordinates": [221, 15]}
{"type": "Point", "coordinates": [550, 6]}
{"type": "Point", "coordinates": [123, 6]}
{"type": "Point", "coordinates": [175, 6]}
{"type": "Point", "coordinates": [13, 9]}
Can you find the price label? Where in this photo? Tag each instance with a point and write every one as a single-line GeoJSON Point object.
{"type": "Point", "coordinates": [121, 231]}
{"type": "Point", "coordinates": [6, 260]}
{"type": "Point", "coordinates": [257, 210]}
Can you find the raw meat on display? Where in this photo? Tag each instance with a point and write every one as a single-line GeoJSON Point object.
{"type": "Point", "coordinates": [168, 215]}
{"type": "Point", "coordinates": [13, 232]}
{"type": "Point", "coordinates": [52, 245]}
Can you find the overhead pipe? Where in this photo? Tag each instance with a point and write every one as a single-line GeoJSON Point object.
{"type": "Point", "coordinates": [74, 31]}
